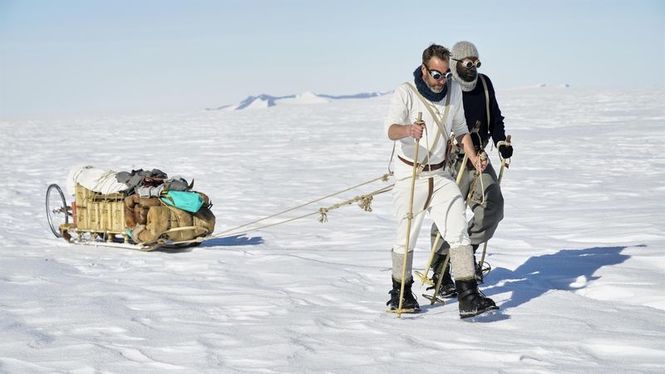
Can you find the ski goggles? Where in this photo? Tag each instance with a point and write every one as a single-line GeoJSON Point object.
{"type": "Point", "coordinates": [468, 63]}
{"type": "Point", "coordinates": [436, 74]}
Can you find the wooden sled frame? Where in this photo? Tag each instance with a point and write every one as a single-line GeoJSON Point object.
{"type": "Point", "coordinates": [98, 219]}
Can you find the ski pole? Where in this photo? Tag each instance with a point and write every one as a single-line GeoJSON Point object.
{"type": "Point", "coordinates": [504, 165]}
{"type": "Point", "coordinates": [423, 276]}
{"type": "Point", "coordinates": [462, 169]}
{"type": "Point", "coordinates": [439, 281]}
{"type": "Point", "coordinates": [409, 218]}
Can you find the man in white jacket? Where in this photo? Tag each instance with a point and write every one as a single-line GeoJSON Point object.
{"type": "Point", "coordinates": [439, 101]}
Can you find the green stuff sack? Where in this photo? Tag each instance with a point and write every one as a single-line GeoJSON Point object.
{"type": "Point", "coordinates": [186, 200]}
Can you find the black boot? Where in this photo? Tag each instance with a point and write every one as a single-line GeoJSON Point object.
{"type": "Point", "coordinates": [410, 304]}
{"type": "Point", "coordinates": [447, 288]}
{"type": "Point", "coordinates": [471, 301]}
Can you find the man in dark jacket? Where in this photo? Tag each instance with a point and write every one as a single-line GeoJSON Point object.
{"type": "Point", "coordinates": [485, 121]}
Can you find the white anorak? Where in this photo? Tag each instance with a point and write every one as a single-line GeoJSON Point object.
{"type": "Point", "coordinates": [404, 108]}
{"type": "Point", "coordinates": [435, 191]}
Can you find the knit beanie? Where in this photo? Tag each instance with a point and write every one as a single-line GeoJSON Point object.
{"type": "Point", "coordinates": [460, 51]}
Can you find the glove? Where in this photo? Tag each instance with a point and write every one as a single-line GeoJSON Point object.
{"type": "Point", "coordinates": [506, 151]}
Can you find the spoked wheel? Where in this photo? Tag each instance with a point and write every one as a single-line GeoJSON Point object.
{"type": "Point", "coordinates": [57, 211]}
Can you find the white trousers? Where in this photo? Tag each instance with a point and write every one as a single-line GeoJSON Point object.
{"type": "Point", "coordinates": [436, 194]}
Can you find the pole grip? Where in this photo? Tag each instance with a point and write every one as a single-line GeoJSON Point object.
{"type": "Point", "coordinates": [419, 119]}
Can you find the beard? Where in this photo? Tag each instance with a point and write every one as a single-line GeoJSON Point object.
{"type": "Point", "coordinates": [467, 75]}
{"type": "Point", "coordinates": [437, 88]}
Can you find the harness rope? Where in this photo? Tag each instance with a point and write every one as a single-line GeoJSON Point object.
{"type": "Point", "coordinates": [364, 202]}
{"type": "Point", "coordinates": [383, 178]}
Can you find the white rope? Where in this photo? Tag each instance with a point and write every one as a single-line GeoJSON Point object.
{"type": "Point", "coordinates": [364, 202]}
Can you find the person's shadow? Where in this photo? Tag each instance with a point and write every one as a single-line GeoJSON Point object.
{"type": "Point", "coordinates": [568, 269]}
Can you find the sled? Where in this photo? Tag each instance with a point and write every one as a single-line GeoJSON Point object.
{"type": "Point", "coordinates": [98, 219]}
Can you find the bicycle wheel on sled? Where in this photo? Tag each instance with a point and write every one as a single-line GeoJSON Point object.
{"type": "Point", "coordinates": [57, 211]}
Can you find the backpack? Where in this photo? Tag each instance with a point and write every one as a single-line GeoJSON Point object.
{"type": "Point", "coordinates": [189, 201]}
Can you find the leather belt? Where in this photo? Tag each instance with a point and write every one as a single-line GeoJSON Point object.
{"type": "Point", "coordinates": [428, 167]}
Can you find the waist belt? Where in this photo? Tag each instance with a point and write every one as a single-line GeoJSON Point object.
{"type": "Point", "coordinates": [428, 167]}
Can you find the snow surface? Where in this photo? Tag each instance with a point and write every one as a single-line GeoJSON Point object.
{"type": "Point", "coordinates": [579, 266]}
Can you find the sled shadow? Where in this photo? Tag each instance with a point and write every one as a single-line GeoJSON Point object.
{"type": "Point", "coordinates": [230, 241]}
{"type": "Point", "coordinates": [567, 270]}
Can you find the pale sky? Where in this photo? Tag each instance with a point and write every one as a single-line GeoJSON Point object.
{"type": "Point", "coordinates": [73, 57]}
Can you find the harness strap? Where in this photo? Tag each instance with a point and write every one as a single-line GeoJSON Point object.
{"type": "Point", "coordinates": [439, 121]}
{"type": "Point", "coordinates": [423, 167]}
{"type": "Point", "coordinates": [487, 104]}
{"type": "Point", "coordinates": [430, 191]}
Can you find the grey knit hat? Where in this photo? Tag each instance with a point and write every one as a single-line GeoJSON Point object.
{"type": "Point", "coordinates": [460, 51]}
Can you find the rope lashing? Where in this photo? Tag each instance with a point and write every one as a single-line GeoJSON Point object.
{"type": "Point", "coordinates": [364, 202]}
{"type": "Point", "coordinates": [324, 215]}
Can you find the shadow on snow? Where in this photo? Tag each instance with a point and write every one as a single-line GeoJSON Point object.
{"type": "Point", "coordinates": [232, 241]}
{"type": "Point", "coordinates": [558, 271]}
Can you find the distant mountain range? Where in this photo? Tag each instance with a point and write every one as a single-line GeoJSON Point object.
{"type": "Point", "coordinates": [263, 101]}
{"type": "Point", "coordinates": [266, 101]}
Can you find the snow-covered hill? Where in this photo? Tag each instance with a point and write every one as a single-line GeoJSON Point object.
{"type": "Point", "coordinates": [579, 269]}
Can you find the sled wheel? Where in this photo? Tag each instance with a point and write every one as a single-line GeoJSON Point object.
{"type": "Point", "coordinates": [57, 211]}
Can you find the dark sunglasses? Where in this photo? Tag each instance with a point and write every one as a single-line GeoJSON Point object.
{"type": "Point", "coordinates": [435, 73]}
{"type": "Point", "coordinates": [468, 63]}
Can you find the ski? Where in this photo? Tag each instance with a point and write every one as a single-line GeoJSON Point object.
{"type": "Point", "coordinates": [404, 311]}
{"type": "Point", "coordinates": [485, 315]}
{"type": "Point", "coordinates": [136, 247]}
{"type": "Point", "coordinates": [485, 312]}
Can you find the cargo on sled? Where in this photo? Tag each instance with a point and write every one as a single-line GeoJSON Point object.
{"type": "Point", "coordinates": [141, 209]}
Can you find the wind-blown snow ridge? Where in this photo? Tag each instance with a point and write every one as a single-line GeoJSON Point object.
{"type": "Point", "coordinates": [263, 101]}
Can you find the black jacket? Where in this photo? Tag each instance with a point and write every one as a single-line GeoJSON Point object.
{"type": "Point", "coordinates": [474, 110]}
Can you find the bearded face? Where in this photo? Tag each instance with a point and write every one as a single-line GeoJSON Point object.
{"type": "Point", "coordinates": [467, 69]}
{"type": "Point", "coordinates": [434, 74]}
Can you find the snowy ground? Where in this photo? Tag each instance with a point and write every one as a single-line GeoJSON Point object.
{"type": "Point", "coordinates": [579, 259]}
